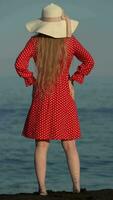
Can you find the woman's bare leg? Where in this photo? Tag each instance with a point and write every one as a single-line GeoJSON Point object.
{"type": "Point", "coordinates": [73, 161]}
{"type": "Point", "coordinates": [40, 158]}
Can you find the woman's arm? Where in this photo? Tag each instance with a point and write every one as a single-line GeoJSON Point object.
{"type": "Point", "coordinates": [22, 63]}
{"type": "Point", "coordinates": [87, 62]}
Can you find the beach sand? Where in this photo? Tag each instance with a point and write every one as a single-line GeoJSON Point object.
{"type": "Point", "coordinates": [103, 194]}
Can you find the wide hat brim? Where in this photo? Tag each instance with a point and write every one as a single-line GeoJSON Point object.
{"type": "Point", "coordinates": [54, 29]}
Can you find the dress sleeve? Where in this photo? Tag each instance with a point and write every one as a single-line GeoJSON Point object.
{"type": "Point", "coordinates": [87, 62]}
{"type": "Point", "coordinates": [22, 63]}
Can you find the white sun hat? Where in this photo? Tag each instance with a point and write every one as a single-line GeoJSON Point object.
{"type": "Point", "coordinates": [53, 22]}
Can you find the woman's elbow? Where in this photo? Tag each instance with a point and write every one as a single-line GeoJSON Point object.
{"type": "Point", "coordinates": [92, 62]}
{"type": "Point", "coordinates": [90, 65]}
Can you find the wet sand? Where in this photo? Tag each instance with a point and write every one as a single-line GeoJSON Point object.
{"type": "Point", "coordinates": [103, 194]}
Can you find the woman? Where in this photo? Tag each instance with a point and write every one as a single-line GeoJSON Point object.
{"type": "Point", "coordinates": [53, 112]}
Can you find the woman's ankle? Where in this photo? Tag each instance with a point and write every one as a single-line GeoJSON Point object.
{"type": "Point", "coordinates": [42, 187]}
{"type": "Point", "coordinates": [76, 187]}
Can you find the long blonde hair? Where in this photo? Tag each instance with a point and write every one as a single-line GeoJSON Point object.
{"type": "Point", "coordinates": [50, 53]}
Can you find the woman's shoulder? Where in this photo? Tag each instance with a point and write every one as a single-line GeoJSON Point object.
{"type": "Point", "coordinates": [31, 41]}
{"type": "Point", "coordinates": [33, 38]}
{"type": "Point", "coordinates": [71, 40]}
{"type": "Point", "coordinates": [74, 38]}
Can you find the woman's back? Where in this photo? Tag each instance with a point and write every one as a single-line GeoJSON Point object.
{"type": "Point", "coordinates": [47, 115]}
{"type": "Point", "coordinates": [73, 48]}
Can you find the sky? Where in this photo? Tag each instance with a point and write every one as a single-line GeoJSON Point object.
{"type": "Point", "coordinates": [95, 30]}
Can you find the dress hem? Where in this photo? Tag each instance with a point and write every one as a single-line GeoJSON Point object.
{"type": "Point", "coordinates": [77, 138]}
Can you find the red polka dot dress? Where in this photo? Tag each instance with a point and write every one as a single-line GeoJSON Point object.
{"type": "Point", "coordinates": [56, 116]}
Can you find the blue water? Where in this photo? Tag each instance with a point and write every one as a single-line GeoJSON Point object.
{"type": "Point", "coordinates": [95, 107]}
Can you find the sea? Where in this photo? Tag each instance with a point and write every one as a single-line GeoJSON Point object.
{"type": "Point", "coordinates": [94, 100]}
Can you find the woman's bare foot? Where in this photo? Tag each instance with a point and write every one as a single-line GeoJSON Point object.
{"type": "Point", "coordinates": [43, 191]}
{"type": "Point", "coordinates": [76, 190]}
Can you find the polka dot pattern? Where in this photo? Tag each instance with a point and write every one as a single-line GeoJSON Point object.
{"type": "Point", "coordinates": [56, 116]}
